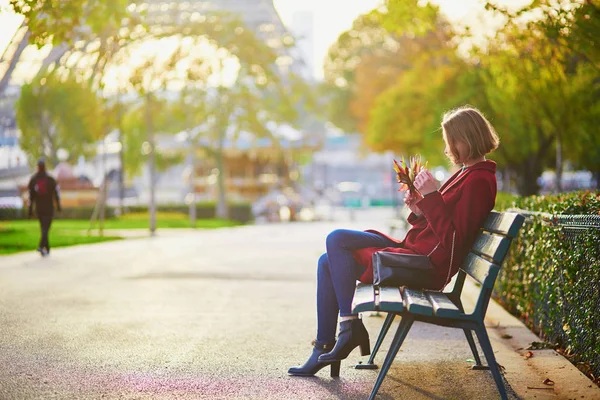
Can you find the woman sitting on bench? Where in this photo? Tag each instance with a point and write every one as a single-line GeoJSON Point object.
{"type": "Point", "coordinates": [444, 222]}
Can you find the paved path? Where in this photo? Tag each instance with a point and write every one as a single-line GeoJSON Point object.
{"type": "Point", "coordinates": [217, 314]}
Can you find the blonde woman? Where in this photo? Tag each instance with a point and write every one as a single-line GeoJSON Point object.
{"type": "Point", "coordinates": [444, 221]}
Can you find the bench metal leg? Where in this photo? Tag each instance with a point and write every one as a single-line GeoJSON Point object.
{"type": "Point", "coordinates": [384, 330]}
{"type": "Point", "coordinates": [478, 365]}
{"type": "Point", "coordinates": [405, 324]}
{"type": "Point", "coordinates": [486, 346]}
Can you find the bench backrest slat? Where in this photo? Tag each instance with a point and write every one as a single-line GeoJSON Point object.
{"type": "Point", "coordinates": [505, 224]}
{"type": "Point", "coordinates": [489, 249]}
{"type": "Point", "coordinates": [492, 247]}
{"type": "Point", "coordinates": [482, 270]}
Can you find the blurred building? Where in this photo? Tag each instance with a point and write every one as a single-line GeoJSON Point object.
{"type": "Point", "coordinates": [258, 15]}
{"type": "Point", "coordinates": [303, 31]}
{"type": "Point", "coordinates": [347, 174]}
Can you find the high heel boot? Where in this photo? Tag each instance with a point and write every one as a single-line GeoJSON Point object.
{"type": "Point", "coordinates": [352, 334]}
{"type": "Point", "coordinates": [313, 365]}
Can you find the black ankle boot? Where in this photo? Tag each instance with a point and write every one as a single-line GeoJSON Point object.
{"type": "Point", "coordinates": [352, 334]}
{"type": "Point", "coordinates": [312, 366]}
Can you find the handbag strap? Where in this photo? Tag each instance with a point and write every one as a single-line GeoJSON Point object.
{"type": "Point", "coordinates": [451, 261]}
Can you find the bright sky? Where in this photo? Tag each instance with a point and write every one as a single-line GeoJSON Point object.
{"type": "Point", "coordinates": [330, 18]}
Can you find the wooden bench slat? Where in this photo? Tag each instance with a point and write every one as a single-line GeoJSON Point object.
{"type": "Point", "coordinates": [416, 302]}
{"type": "Point", "coordinates": [492, 246]}
{"type": "Point", "coordinates": [390, 299]}
{"type": "Point", "coordinates": [506, 223]}
{"type": "Point", "coordinates": [443, 306]}
{"type": "Point", "coordinates": [481, 270]}
{"type": "Point", "coordinates": [364, 299]}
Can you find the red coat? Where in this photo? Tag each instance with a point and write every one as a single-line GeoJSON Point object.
{"type": "Point", "coordinates": [461, 205]}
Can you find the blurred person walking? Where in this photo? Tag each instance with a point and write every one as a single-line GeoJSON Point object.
{"type": "Point", "coordinates": [43, 192]}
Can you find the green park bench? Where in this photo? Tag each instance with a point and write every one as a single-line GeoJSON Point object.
{"type": "Point", "coordinates": [445, 308]}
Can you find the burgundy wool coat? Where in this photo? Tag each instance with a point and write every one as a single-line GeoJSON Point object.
{"type": "Point", "coordinates": [461, 205]}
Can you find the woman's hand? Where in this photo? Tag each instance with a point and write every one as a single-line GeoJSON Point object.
{"type": "Point", "coordinates": [425, 182]}
{"type": "Point", "coordinates": [411, 200]}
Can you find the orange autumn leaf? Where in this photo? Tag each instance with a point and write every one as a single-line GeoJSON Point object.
{"type": "Point", "coordinates": [406, 172]}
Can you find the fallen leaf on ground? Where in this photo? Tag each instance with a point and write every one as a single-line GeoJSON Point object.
{"type": "Point", "coordinates": [548, 382]}
{"type": "Point", "coordinates": [541, 346]}
{"type": "Point", "coordinates": [506, 336]}
{"type": "Point", "coordinates": [584, 367]}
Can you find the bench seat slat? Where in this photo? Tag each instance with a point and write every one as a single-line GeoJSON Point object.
{"type": "Point", "coordinates": [443, 306]}
{"type": "Point", "coordinates": [390, 299]}
{"type": "Point", "coordinates": [364, 299]}
{"type": "Point", "coordinates": [416, 302]}
{"type": "Point", "coordinates": [492, 246]}
{"type": "Point", "coordinates": [481, 270]}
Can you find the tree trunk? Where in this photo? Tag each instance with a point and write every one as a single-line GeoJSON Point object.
{"type": "Point", "coordinates": [52, 148]}
{"type": "Point", "coordinates": [506, 183]}
{"type": "Point", "coordinates": [559, 165]}
{"type": "Point", "coordinates": [597, 176]}
{"type": "Point", "coordinates": [529, 170]}
{"type": "Point", "coordinates": [54, 57]}
{"type": "Point", "coordinates": [121, 155]}
{"type": "Point", "coordinates": [103, 188]}
{"type": "Point", "coordinates": [192, 159]}
{"type": "Point", "coordinates": [527, 174]}
{"type": "Point", "coordinates": [14, 60]}
{"type": "Point", "coordinates": [221, 211]}
{"type": "Point", "coordinates": [151, 166]}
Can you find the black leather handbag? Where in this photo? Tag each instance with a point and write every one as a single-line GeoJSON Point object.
{"type": "Point", "coordinates": [398, 269]}
{"type": "Point", "coordinates": [412, 270]}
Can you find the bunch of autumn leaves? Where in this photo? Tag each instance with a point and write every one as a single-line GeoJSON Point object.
{"type": "Point", "coordinates": [406, 172]}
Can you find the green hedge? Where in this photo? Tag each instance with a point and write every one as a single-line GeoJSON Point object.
{"type": "Point", "coordinates": [237, 212]}
{"type": "Point", "coordinates": [12, 213]}
{"type": "Point", "coordinates": [551, 278]}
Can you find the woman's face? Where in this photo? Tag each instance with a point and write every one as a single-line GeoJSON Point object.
{"type": "Point", "coordinates": [461, 150]}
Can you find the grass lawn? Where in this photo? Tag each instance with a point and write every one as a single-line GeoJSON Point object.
{"type": "Point", "coordinates": [24, 235]}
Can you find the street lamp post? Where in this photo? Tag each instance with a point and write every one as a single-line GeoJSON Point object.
{"type": "Point", "coordinates": [121, 153]}
{"type": "Point", "coordinates": [151, 164]}
{"type": "Point", "coordinates": [192, 178]}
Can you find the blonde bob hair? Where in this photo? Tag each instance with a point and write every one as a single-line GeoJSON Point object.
{"type": "Point", "coordinates": [468, 125]}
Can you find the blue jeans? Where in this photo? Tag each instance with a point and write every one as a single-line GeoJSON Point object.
{"type": "Point", "coordinates": [337, 274]}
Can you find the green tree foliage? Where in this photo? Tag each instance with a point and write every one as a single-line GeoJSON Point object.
{"type": "Point", "coordinates": [214, 111]}
{"type": "Point", "coordinates": [366, 39]}
{"type": "Point", "coordinates": [261, 97]}
{"type": "Point", "coordinates": [397, 70]}
{"type": "Point", "coordinates": [571, 25]}
{"type": "Point", "coordinates": [53, 113]}
{"type": "Point", "coordinates": [394, 73]}
{"type": "Point", "coordinates": [542, 92]}
{"type": "Point", "coordinates": [511, 98]}
{"type": "Point", "coordinates": [59, 21]}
